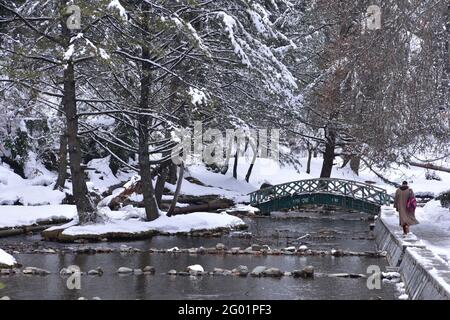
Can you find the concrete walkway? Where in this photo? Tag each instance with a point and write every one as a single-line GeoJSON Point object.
{"type": "Point", "coordinates": [425, 274]}
{"type": "Point", "coordinates": [432, 235]}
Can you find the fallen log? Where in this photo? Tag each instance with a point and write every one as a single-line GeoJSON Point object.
{"type": "Point", "coordinates": [428, 166]}
{"type": "Point", "coordinates": [189, 199]}
{"type": "Point", "coordinates": [129, 188]}
{"type": "Point", "coordinates": [7, 232]}
{"type": "Point", "coordinates": [210, 206]}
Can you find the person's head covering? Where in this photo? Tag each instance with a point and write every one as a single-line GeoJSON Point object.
{"type": "Point", "coordinates": [404, 186]}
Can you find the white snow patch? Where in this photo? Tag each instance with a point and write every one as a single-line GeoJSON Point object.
{"type": "Point", "coordinates": [136, 197]}
{"type": "Point", "coordinates": [401, 289]}
{"type": "Point", "coordinates": [230, 25]}
{"type": "Point", "coordinates": [404, 296]}
{"type": "Point", "coordinates": [196, 268]}
{"type": "Point", "coordinates": [198, 97]}
{"type": "Point", "coordinates": [104, 54]}
{"type": "Point", "coordinates": [391, 274]}
{"type": "Point", "coordinates": [6, 259]}
{"type": "Point", "coordinates": [69, 52]}
{"type": "Point", "coordinates": [115, 4]}
{"type": "Point", "coordinates": [14, 189]}
{"type": "Point", "coordinates": [174, 224]}
{"type": "Point", "coordinates": [101, 178]}
{"type": "Point", "coordinates": [415, 44]}
{"type": "Point", "coordinates": [244, 209]}
{"type": "Point", "coordinates": [433, 212]}
{"type": "Point", "coordinates": [16, 216]}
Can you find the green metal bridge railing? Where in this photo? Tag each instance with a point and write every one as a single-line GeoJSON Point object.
{"type": "Point", "coordinates": [345, 193]}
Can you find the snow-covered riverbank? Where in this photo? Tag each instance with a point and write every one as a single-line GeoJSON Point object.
{"type": "Point", "coordinates": [129, 222]}
{"type": "Point", "coordinates": [6, 260]}
{"type": "Point", "coordinates": [19, 216]}
{"type": "Point", "coordinates": [129, 218]}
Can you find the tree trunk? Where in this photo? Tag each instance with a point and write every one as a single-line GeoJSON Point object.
{"type": "Point", "coordinates": [345, 160]}
{"type": "Point", "coordinates": [236, 158]}
{"type": "Point", "coordinates": [235, 165]}
{"type": "Point", "coordinates": [250, 168]}
{"type": "Point", "coordinates": [355, 162]}
{"type": "Point", "coordinates": [172, 176]}
{"type": "Point", "coordinates": [150, 204]}
{"type": "Point", "coordinates": [177, 191]}
{"type": "Point", "coordinates": [315, 153]}
{"type": "Point", "coordinates": [429, 166]}
{"type": "Point", "coordinates": [226, 165]}
{"type": "Point", "coordinates": [160, 183]}
{"type": "Point", "coordinates": [62, 166]}
{"type": "Point", "coordinates": [308, 163]}
{"type": "Point", "coordinates": [328, 156]}
{"type": "Point", "coordinates": [83, 202]}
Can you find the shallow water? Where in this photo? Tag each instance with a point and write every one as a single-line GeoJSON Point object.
{"type": "Point", "coordinates": [343, 232]}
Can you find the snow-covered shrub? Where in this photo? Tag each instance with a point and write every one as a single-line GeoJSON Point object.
{"type": "Point", "coordinates": [444, 197]}
{"type": "Point", "coordinates": [16, 151]}
{"type": "Point", "coordinates": [432, 175]}
{"type": "Point", "coordinates": [434, 213]}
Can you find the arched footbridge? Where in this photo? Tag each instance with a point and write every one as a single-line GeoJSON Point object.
{"type": "Point", "coordinates": [346, 194]}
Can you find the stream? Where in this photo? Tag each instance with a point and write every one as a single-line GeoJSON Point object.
{"type": "Point", "coordinates": [316, 231]}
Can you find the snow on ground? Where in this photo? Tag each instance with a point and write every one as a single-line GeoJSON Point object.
{"type": "Point", "coordinates": [129, 220]}
{"type": "Point", "coordinates": [37, 190]}
{"type": "Point", "coordinates": [267, 170]}
{"type": "Point", "coordinates": [17, 216]}
{"type": "Point", "coordinates": [417, 180]}
{"type": "Point", "coordinates": [402, 291]}
{"type": "Point", "coordinates": [216, 184]}
{"type": "Point", "coordinates": [434, 228]}
{"type": "Point", "coordinates": [7, 259]}
{"type": "Point", "coordinates": [15, 189]}
{"type": "Point", "coordinates": [243, 208]}
{"type": "Point", "coordinates": [433, 212]}
{"type": "Point", "coordinates": [102, 177]}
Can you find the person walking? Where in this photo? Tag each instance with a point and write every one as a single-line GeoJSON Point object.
{"type": "Point", "coordinates": [405, 204]}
